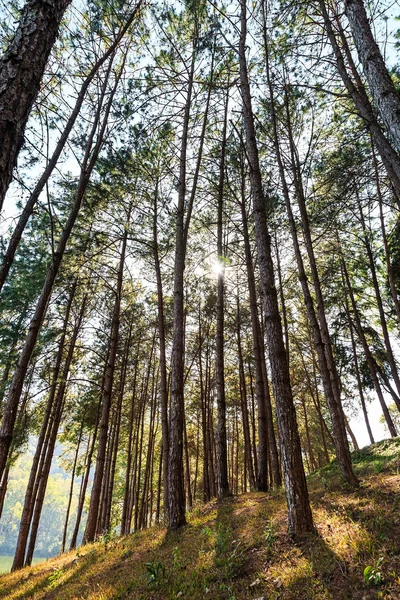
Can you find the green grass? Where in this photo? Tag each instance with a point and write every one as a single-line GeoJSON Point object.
{"type": "Point", "coordinates": [239, 549]}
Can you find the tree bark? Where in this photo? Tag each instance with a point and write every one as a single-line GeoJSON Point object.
{"type": "Point", "coordinates": [21, 71]}
{"type": "Point", "coordinates": [388, 154]}
{"type": "Point", "coordinates": [220, 438]}
{"type": "Point", "coordinates": [91, 524]}
{"type": "Point", "coordinates": [299, 511]}
{"type": "Point", "coordinates": [163, 360]}
{"type": "Point", "coordinates": [34, 196]}
{"type": "Point", "coordinates": [381, 85]}
{"type": "Point", "coordinates": [318, 320]}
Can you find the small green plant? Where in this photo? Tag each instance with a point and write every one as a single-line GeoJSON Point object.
{"type": "Point", "coordinates": [228, 589]}
{"type": "Point", "coordinates": [234, 560]}
{"type": "Point", "coordinates": [106, 537]}
{"type": "Point", "coordinates": [373, 575]}
{"type": "Point", "coordinates": [222, 541]}
{"type": "Point", "coordinates": [270, 534]}
{"type": "Point", "coordinates": [54, 576]}
{"type": "Point", "coordinates": [207, 531]}
{"type": "Point", "coordinates": [176, 559]}
{"type": "Point", "coordinates": [155, 572]}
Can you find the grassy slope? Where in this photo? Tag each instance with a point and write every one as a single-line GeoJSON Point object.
{"type": "Point", "coordinates": [239, 549]}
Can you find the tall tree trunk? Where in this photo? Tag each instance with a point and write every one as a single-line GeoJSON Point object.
{"type": "Point", "coordinates": [318, 321]}
{"type": "Point", "coordinates": [125, 525]}
{"type": "Point", "coordinates": [176, 491]}
{"type": "Point", "coordinates": [388, 154]}
{"type": "Point", "coordinates": [243, 403]}
{"type": "Point", "coordinates": [262, 449]}
{"type": "Point", "coordinates": [163, 360]}
{"type": "Point", "coordinates": [21, 71]}
{"type": "Point", "coordinates": [220, 438]}
{"type": "Point", "coordinates": [91, 523]}
{"type": "Point", "coordinates": [368, 354]}
{"type": "Point", "coordinates": [53, 427]}
{"type": "Point", "coordinates": [115, 447]}
{"type": "Point", "coordinates": [299, 511]}
{"type": "Point", "coordinates": [381, 85]}
{"type": "Point", "coordinates": [359, 383]}
{"type": "Point", "coordinates": [84, 482]}
{"type": "Point", "coordinates": [203, 402]}
{"type": "Point", "coordinates": [379, 301]}
{"type": "Point", "coordinates": [71, 490]}
{"type": "Point", "coordinates": [389, 268]}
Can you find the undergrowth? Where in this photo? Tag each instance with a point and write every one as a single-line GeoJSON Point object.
{"type": "Point", "coordinates": [239, 549]}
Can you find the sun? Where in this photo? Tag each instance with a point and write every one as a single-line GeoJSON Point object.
{"type": "Point", "coordinates": [218, 268]}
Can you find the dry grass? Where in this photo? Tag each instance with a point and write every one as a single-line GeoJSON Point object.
{"type": "Point", "coordinates": [239, 549]}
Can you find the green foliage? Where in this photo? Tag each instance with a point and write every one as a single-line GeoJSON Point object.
{"type": "Point", "coordinates": [270, 534]}
{"type": "Point", "coordinates": [54, 576]}
{"type": "Point", "coordinates": [155, 573]}
{"type": "Point", "coordinates": [223, 538]}
{"type": "Point", "coordinates": [372, 574]}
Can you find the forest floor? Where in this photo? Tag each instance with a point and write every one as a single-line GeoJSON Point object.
{"type": "Point", "coordinates": [239, 549]}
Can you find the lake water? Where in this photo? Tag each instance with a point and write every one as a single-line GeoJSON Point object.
{"type": "Point", "coordinates": [6, 562]}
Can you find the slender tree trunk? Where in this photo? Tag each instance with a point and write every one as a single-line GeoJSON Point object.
{"type": "Point", "coordinates": [381, 85]}
{"type": "Point", "coordinates": [282, 297]}
{"type": "Point", "coordinates": [127, 350]}
{"type": "Point", "coordinates": [125, 525]}
{"type": "Point", "coordinates": [318, 321]}
{"type": "Point", "coordinates": [368, 355]}
{"type": "Point", "coordinates": [243, 403]}
{"type": "Point", "coordinates": [388, 154]}
{"type": "Point", "coordinates": [188, 490]}
{"type": "Point", "coordinates": [163, 360]}
{"type": "Point", "coordinates": [359, 384]}
{"type": "Point", "coordinates": [379, 301]}
{"type": "Point", "coordinates": [106, 402]}
{"type": "Point", "coordinates": [176, 491]}
{"type": "Point", "coordinates": [196, 469]}
{"type": "Point", "coordinates": [220, 439]}
{"type": "Point", "coordinates": [262, 449]}
{"type": "Point", "coordinates": [299, 511]}
{"type": "Point", "coordinates": [84, 483]}
{"type": "Point", "coordinates": [203, 402]}
{"type": "Point", "coordinates": [139, 463]}
{"type": "Point", "coordinates": [351, 434]}
{"type": "Point", "coordinates": [71, 490]}
{"type": "Point", "coordinates": [253, 417]}
{"type": "Point", "coordinates": [54, 427]}
{"type": "Point", "coordinates": [3, 486]}
{"type": "Point", "coordinates": [313, 465]}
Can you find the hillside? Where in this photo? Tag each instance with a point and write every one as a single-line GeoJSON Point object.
{"type": "Point", "coordinates": [239, 549]}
